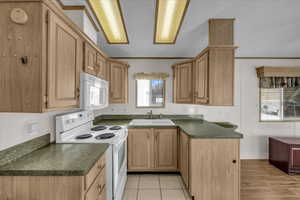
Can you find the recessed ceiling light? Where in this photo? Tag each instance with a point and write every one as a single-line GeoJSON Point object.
{"type": "Point", "coordinates": [109, 15]}
{"type": "Point", "coordinates": [169, 17]}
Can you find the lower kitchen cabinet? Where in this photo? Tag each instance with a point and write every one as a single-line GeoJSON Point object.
{"type": "Point", "coordinates": [152, 149]}
{"type": "Point", "coordinates": [140, 148]}
{"type": "Point", "coordinates": [166, 149]}
{"type": "Point", "coordinates": [184, 158]}
{"type": "Point", "coordinates": [214, 169]}
{"type": "Point", "coordinates": [89, 187]}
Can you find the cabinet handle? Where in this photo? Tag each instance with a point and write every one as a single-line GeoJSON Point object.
{"type": "Point", "coordinates": [234, 161]}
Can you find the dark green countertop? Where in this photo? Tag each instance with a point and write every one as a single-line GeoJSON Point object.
{"type": "Point", "coordinates": [56, 160]}
{"type": "Point", "coordinates": [195, 128]}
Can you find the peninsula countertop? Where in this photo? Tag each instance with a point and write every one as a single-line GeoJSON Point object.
{"type": "Point", "coordinates": [195, 128]}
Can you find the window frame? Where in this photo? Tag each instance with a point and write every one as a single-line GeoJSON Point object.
{"type": "Point", "coordinates": [272, 121]}
{"type": "Point", "coordinates": [143, 107]}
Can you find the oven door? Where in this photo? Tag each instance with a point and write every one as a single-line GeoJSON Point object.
{"type": "Point", "coordinates": [119, 167]}
{"type": "Point", "coordinates": [94, 92]}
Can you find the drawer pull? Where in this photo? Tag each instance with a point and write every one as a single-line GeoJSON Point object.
{"type": "Point", "coordinates": [234, 161]}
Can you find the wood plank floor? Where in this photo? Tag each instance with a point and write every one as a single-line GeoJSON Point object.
{"type": "Point", "coordinates": [262, 181]}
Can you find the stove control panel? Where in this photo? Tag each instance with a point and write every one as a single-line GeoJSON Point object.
{"type": "Point", "coordinates": [69, 121]}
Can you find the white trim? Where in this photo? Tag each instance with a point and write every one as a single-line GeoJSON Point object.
{"type": "Point", "coordinates": [261, 156]}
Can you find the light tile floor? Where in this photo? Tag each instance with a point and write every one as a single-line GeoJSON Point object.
{"type": "Point", "coordinates": [155, 187]}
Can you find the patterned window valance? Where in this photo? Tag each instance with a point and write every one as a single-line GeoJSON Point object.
{"type": "Point", "coordinates": [151, 76]}
{"type": "Point", "coordinates": [279, 82]}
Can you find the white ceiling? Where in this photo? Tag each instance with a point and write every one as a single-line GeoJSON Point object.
{"type": "Point", "coordinates": [263, 28]}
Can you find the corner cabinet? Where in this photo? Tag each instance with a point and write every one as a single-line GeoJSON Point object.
{"type": "Point", "coordinates": [207, 79]}
{"type": "Point", "coordinates": [219, 177]}
{"type": "Point", "coordinates": [152, 149]}
{"type": "Point", "coordinates": [118, 82]}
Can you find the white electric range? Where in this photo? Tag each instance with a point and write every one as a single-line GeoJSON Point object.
{"type": "Point", "coordinates": [77, 127]}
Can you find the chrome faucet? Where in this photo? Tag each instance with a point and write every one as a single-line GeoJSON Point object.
{"type": "Point", "coordinates": [150, 113]}
{"type": "Point", "coordinates": [160, 116]}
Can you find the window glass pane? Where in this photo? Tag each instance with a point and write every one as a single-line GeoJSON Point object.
{"type": "Point", "coordinates": [270, 104]}
{"type": "Point", "coordinates": [280, 104]}
{"type": "Point", "coordinates": [150, 93]}
{"type": "Point", "coordinates": [291, 103]}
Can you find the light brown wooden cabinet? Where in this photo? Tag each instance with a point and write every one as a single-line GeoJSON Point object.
{"type": "Point", "coordinates": [140, 148]}
{"type": "Point", "coordinates": [182, 82]}
{"type": "Point", "coordinates": [118, 87]}
{"type": "Point", "coordinates": [90, 59]}
{"type": "Point", "coordinates": [41, 60]}
{"type": "Point", "coordinates": [210, 168]}
{"type": "Point", "coordinates": [200, 77]}
{"type": "Point", "coordinates": [64, 58]}
{"type": "Point", "coordinates": [184, 158]}
{"type": "Point", "coordinates": [166, 149]}
{"type": "Point", "coordinates": [208, 78]}
{"type": "Point", "coordinates": [89, 187]}
{"type": "Point", "coordinates": [102, 67]}
{"type": "Point", "coordinates": [152, 149]}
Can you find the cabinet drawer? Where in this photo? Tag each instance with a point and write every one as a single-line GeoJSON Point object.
{"type": "Point", "coordinates": [97, 191]}
{"type": "Point", "coordinates": [93, 173]}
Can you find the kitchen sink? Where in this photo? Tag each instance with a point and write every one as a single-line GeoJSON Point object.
{"type": "Point", "coordinates": [151, 122]}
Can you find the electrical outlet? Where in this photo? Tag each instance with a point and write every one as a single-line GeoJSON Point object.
{"type": "Point", "coordinates": [33, 127]}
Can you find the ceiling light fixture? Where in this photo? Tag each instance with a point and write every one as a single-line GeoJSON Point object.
{"type": "Point", "coordinates": [109, 15]}
{"type": "Point", "coordinates": [169, 17]}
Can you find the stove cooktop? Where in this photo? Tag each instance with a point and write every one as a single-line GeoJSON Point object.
{"type": "Point", "coordinates": [98, 128]}
{"type": "Point", "coordinates": [105, 136]}
{"type": "Point", "coordinates": [84, 136]}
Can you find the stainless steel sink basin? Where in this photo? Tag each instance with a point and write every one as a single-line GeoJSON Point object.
{"type": "Point", "coordinates": [151, 122]}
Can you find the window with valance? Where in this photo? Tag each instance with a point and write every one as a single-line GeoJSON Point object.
{"type": "Point", "coordinates": [279, 93]}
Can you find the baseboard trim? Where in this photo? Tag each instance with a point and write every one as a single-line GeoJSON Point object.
{"type": "Point", "coordinates": [263, 156]}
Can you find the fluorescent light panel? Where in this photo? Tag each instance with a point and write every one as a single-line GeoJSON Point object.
{"type": "Point", "coordinates": [169, 16]}
{"type": "Point", "coordinates": [109, 15]}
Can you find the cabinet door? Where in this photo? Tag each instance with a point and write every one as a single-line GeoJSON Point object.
{"type": "Point", "coordinates": [214, 169]}
{"type": "Point", "coordinates": [102, 66]}
{"type": "Point", "coordinates": [64, 64]}
{"type": "Point", "coordinates": [118, 83]}
{"type": "Point", "coordinates": [166, 149]}
{"type": "Point", "coordinates": [183, 83]}
{"type": "Point", "coordinates": [90, 60]}
{"type": "Point", "coordinates": [200, 74]}
{"type": "Point", "coordinates": [184, 158]}
{"type": "Point", "coordinates": [140, 149]}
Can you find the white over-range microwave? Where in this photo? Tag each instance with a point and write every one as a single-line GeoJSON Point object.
{"type": "Point", "coordinates": [93, 92]}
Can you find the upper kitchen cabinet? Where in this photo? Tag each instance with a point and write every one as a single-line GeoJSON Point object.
{"type": "Point", "coordinates": [208, 78]}
{"type": "Point", "coordinates": [182, 82]}
{"type": "Point", "coordinates": [200, 77]}
{"type": "Point", "coordinates": [102, 67]}
{"type": "Point", "coordinates": [90, 59]}
{"type": "Point", "coordinates": [221, 32]}
{"type": "Point", "coordinates": [64, 62]}
{"type": "Point", "coordinates": [118, 82]}
{"type": "Point", "coordinates": [41, 56]}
